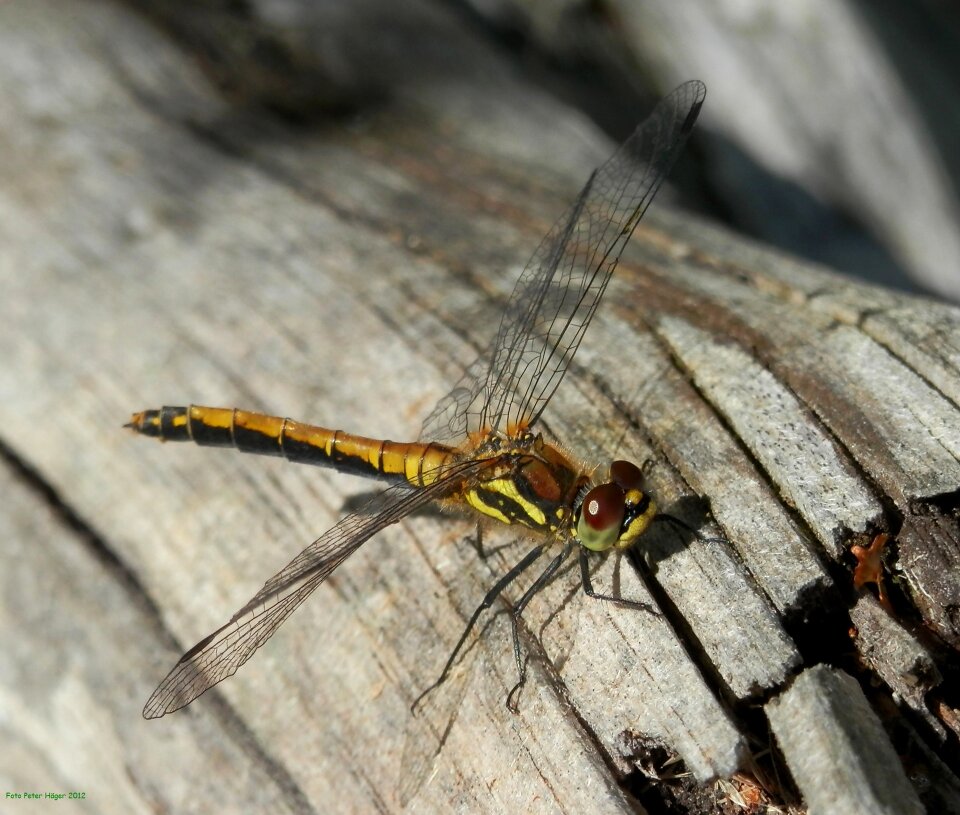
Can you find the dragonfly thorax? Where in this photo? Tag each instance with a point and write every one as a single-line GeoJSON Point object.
{"type": "Point", "coordinates": [533, 484]}
{"type": "Point", "coordinates": [614, 514]}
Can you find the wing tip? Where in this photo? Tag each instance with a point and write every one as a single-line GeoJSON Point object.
{"type": "Point", "coordinates": [155, 707]}
{"type": "Point", "coordinates": [699, 92]}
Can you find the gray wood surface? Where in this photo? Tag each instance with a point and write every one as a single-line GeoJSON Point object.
{"type": "Point", "coordinates": [823, 722]}
{"type": "Point", "coordinates": [164, 245]}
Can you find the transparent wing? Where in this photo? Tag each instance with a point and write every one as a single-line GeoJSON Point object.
{"type": "Point", "coordinates": [558, 291]}
{"type": "Point", "coordinates": [219, 655]}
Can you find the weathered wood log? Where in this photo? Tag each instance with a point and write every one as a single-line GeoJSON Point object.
{"type": "Point", "coordinates": [160, 247]}
{"type": "Point", "coordinates": [826, 710]}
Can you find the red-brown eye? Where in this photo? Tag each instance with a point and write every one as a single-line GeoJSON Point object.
{"type": "Point", "coordinates": [600, 517]}
{"type": "Point", "coordinates": [627, 474]}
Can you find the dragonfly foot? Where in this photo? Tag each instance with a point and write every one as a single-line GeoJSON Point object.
{"type": "Point", "coordinates": [512, 701]}
{"type": "Point", "coordinates": [424, 695]}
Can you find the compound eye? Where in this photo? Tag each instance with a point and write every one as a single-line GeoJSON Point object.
{"type": "Point", "coordinates": [601, 515]}
{"type": "Point", "coordinates": [627, 475]}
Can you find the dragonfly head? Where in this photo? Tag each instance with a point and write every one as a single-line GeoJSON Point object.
{"type": "Point", "coordinates": [616, 513]}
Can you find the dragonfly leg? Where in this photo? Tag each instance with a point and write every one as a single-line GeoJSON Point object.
{"type": "Point", "coordinates": [478, 543]}
{"type": "Point", "coordinates": [663, 517]}
{"type": "Point", "coordinates": [528, 595]}
{"type": "Point", "coordinates": [487, 601]}
{"type": "Point", "coordinates": [645, 468]}
{"type": "Point", "coordinates": [621, 601]}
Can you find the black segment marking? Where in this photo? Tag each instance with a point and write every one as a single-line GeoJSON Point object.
{"type": "Point", "coordinates": [170, 431]}
{"type": "Point", "coordinates": [303, 452]}
{"type": "Point", "coordinates": [253, 441]}
{"type": "Point", "coordinates": [209, 436]}
{"type": "Point", "coordinates": [150, 424]}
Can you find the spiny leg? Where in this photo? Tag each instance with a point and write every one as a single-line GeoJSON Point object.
{"type": "Point", "coordinates": [487, 601]}
{"type": "Point", "coordinates": [646, 467]}
{"type": "Point", "coordinates": [482, 551]}
{"type": "Point", "coordinates": [538, 584]}
{"type": "Point", "coordinates": [477, 543]}
{"type": "Point", "coordinates": [663, 517]}
{"type": "Point", "coordinates": [588, 589]}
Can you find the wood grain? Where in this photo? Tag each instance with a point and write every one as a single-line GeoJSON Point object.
{"type": "Point", "coordinates": [163, 247]}
{"type": "Point", "coordinates": [823, 721]}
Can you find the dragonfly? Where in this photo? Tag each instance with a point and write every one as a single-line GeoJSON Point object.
{"type": "Point", "coordinates": [478, 447]}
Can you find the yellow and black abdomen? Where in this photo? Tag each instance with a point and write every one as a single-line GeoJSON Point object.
{"type": "Point", "coordinates": [417, 463]}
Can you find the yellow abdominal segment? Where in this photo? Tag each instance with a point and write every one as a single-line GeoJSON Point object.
{"type": "Point", "coordinates": [419, 464]}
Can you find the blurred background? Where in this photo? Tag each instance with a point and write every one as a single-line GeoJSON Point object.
{"type": "Point", "coordinates": [830, 130]}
